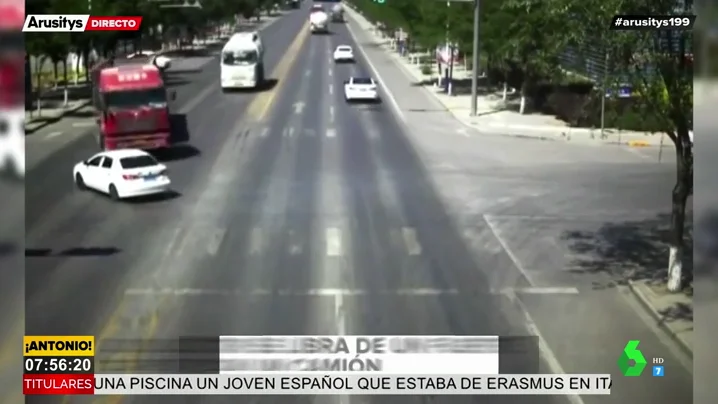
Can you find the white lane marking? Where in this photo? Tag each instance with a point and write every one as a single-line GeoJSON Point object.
{"type": "Point", "coordinates": [255, 241]}
{"type": "Point", "coordinates": [388, 93]}
{"type": "Point", "coordinates": [331, 132]}
{"type": "Point", "coordinates": [174, 241]}
{"type": "Point", "coordinates": [331, 72]}
{"type": "Point", "coordinates": [307, 73]}
{"type": "Point", "coordinates": [547, 291]}
{"type": "Point", "coordinates": [295, 246]}
{"type": "Point", "coordinates": [551, 360]}
{"type": "Point", "coordinates": [411, 241]}
{"type": "Point", "coordinates": [197, 100]}
{"type": "Point", "coordinates": [508, 250]}
{"type": "Point", "coordinates": [288, 132]}
{"type": "Point", "coordinates": [53, 135]}
{"type": "Point", "coordinates": [215, 241]}
{"type": "Point", "coordinates": [264, 132]}
{"type": "Point", "coordinates": [463, 132]}
{"type": "Point", "coordinates": [331, 89]}
{"type": "Point", "coordinates": [334, 242]}
{"type": "Point", "coordinates": [331, 114]}
{"type": "Point", "coordinates": [83, 124]}
{"type": "Point", "coordinates": [339, 314]}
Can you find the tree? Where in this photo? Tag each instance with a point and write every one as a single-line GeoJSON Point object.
{"type": "Point", "coordinates": [659, 67]}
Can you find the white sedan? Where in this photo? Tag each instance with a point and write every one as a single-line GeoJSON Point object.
{"type": "Point", "coordinates": [124, 173]}
{"type": "Point", "coordinates": [360, 89]}
{"type": "Point", "coordinates": [343, 53]}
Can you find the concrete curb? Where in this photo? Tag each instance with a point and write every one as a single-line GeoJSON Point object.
{"type": "Point", "coordinates": [50, 121]}
{"type": "Point", "coordinates": [646, 303]}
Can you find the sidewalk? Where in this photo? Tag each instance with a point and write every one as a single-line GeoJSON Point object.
{"type": "Point", "coordinates": [493, 115]}
{"type": "Point", "coordinates": [48, 116]}
{"type": "Point", "coordinates": [673, 312]}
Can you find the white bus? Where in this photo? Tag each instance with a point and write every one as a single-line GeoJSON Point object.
{"type": "Point", "coordinates": [242, 62]}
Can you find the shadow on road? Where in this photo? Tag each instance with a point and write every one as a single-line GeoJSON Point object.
{"type": "Point", "coordinates": [72, 252]}
{"type": "Point", "coordinates": [634, 251]}
{"type": "Point", "coordinates": [266, 86]}
{"type": "Point", "coordinates": [180, 152]}
{"type": "Point", "coordinates": [179, 128]}
{"type": "Point", "coordinates": [176, 81]}
{"type": "Point", "coordinates": [157, 198]}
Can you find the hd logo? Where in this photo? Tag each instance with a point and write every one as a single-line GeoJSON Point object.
{"type": "Point", "coordinates": [59, 346]}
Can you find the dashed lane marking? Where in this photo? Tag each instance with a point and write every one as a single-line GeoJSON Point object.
{"type": "Point", "coordinates": [411, 241]}
{"type": "Point", "coordinates": [334, 242]}
{"type": "Point", "coordinates": [83, 124]}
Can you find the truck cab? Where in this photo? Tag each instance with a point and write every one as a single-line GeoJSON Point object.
{"type": "Point", "coordinates": [133, 107]}
{"type": "Point", "coordinates": [242, 62]}
{"type": "Point", "coordinates": [318, 20]}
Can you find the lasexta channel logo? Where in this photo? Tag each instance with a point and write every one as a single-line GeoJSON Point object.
{"type": "Point", "coordinates": [631, 353]}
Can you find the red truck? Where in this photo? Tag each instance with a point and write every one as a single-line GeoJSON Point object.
{"type": "Point", "coordinates": [132, 102]}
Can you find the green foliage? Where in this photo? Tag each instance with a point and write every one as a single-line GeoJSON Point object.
{"type": "Point", "coordinates": [522, 42]}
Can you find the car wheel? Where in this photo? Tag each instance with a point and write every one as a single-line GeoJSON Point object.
{"type": "Point", "coordinates": [113, 193]}
{"type": "Point", "coordinates": [80, 183]}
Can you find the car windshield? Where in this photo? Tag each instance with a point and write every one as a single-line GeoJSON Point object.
{"type": "Point", "coordinates": [241, 58]}
{"type": "Point", "coordinates": [138, 162]}
{"type": "Point", "coordinates": [344, 49]}
{"type": "Point", "coordinates": [362, 81]}
{"type": "Point", "coordinates": [155, 97]}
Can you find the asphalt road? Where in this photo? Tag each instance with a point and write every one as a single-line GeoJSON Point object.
{"type": "Point", "coordinates": [337, 207]}
{"type": "Point", "coordinates": [558, 225]}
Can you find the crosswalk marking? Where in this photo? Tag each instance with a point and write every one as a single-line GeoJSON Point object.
{"type": "Point", "coordinates": [411, 241]}
{"type": "Point", "coordinates": [405, 239]}
{"type": "Point", "coordinates": [295, 246]}
{"type": "Point", "coordinates": [255, 241]}
{"type": "Point", "coordinates": [334, 242]}
{"type": "Point", "coordinates": [215, 241]}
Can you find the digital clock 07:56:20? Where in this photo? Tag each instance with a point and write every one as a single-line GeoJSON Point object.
{"type": "Point", "coordinates": [58, 364]}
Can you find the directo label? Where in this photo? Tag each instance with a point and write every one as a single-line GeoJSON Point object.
{"type": "Point", "coordinates": [80, 23]}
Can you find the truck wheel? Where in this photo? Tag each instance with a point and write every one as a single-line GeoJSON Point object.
{"type": "Point", "coordinates": [101, 142]}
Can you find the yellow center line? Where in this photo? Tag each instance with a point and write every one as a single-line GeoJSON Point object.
{"type": "Point", "coordinates": [264, 101]}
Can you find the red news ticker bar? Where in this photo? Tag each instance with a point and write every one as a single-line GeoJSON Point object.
{"type": "Point", "coordinates": [113, 23]}
{"type": "Point", "coordinates": [58, 384]}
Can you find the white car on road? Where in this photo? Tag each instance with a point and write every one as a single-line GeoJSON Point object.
{"type": "Point", "coordinates": [123, 173]}
{"type": "Point", "coordinates": [343, 53]}
{"type": "Point", "coordinates": [360, 89]}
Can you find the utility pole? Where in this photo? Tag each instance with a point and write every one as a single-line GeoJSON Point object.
{"type": "Point", "coordinates": [475, 61]}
